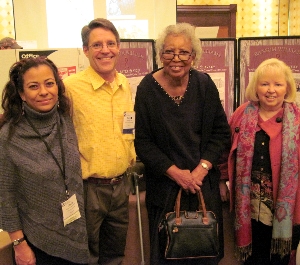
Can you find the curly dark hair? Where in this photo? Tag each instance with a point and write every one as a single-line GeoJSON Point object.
{"type": "Point", "coordinates": [11, 100]}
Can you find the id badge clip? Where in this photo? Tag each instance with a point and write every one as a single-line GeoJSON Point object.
{"type": "Point", "coordinates": [70, 210]}
{"type": "Point", "coordinates": [129, 122]}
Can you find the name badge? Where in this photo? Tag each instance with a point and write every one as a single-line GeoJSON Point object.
{"type": "Point", "coordinates": [129, 122]}
{"type": "Point", "coordinates": [70, 210]}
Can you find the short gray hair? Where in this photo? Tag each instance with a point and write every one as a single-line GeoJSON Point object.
{"type": "Point", "coordinates": [181, 28]}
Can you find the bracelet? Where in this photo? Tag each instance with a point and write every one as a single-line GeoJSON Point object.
{"type": "Point", "coordinates": [18, 241]}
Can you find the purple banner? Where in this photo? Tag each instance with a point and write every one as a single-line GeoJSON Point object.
{"type": "Point", "coordinates": [218, 60]}
{"type": "Point", "coordinates": [133, 62]}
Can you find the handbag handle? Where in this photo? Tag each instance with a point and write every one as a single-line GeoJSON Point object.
{"type": "Point", "coordinates": [201, 202]}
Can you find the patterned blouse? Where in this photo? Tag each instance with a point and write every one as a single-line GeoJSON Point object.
{"type": "Point", "coordinates": [262, 207]}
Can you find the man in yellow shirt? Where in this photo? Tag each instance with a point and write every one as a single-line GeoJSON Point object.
{"type": "Point", "coordinates": [104, 122]}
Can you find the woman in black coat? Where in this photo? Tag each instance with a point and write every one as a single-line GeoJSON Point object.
{"type": "Point", "coordinates": [181, 130]}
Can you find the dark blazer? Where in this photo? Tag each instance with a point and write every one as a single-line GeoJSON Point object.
{"type": "Point", "coordinates": [158, 126]}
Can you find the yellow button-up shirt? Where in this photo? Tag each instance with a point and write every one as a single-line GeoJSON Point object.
{"type": "Point", "coordinates": [98, 111]}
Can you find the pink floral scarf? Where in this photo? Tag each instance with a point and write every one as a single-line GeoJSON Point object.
{"type": "Point", "coordinates": [288, 183]}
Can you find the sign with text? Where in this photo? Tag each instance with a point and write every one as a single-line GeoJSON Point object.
{"type": "Point", "coordinates": [136, 59]}
{"type": "Point", "coordinates": [133, 62]}
{"type": "Point", "coordinates": [219, 61]}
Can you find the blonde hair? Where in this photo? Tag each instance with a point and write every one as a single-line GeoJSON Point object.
{"type": "Point", "coordinates": [276, 66]}
{"type": "Point", "coordinates": [185, 29]}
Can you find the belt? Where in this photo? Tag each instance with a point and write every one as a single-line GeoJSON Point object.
{"type": "Point", "coordinates": [106, 181]}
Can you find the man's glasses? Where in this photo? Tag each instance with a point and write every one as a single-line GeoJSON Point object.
{"type": "Point", "coordinates": [99, 46]}
{"type": "Point", "coordinates": [181, 56]}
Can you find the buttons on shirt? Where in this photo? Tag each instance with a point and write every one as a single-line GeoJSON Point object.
{"type": "Point", "coordinates": [261, 157]}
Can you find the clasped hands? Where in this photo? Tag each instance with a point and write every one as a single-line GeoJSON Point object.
{"type": "Point", "coordinates": [189, 181]}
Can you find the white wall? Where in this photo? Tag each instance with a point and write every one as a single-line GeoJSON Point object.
{"type": "Point", "coordinates": [31, 18]}
{"type": "Point", "coordinates": [31, 21]}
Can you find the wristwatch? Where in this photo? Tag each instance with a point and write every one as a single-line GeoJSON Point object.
{"type": "Point", "coordinates": [18, 241]}
{"type": "Point", "coordinates": [205, 166]}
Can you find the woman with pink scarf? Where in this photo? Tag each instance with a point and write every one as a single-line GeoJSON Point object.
{"type": "Point", "coordinates": [263, 167]}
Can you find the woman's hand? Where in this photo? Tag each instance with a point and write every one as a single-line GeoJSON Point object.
{"type": "Point", "coordinates": [184, 179]}
{"type": "Point", "coordinates": [199, 173]}
{"type": "Point", "coordinates": [224, 191]}
{"type": "Point", "coordinates": [24, 255]}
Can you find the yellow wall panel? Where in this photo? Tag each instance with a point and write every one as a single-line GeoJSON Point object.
{"type": "Point", "coordinates": [258, 18]}
{"type": "Point", "coordinates": [7, 27]}
{"type": "Point", "coordinates": [294, 15]}
{"type": "Point", "coordinates": [283, 18]}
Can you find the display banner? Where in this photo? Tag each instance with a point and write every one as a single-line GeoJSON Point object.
{"type": "Point", "coordinates": [136, 59]}
{"type": "Point", "coordinates": [219, 61]}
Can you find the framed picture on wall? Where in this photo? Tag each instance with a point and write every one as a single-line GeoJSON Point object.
{"type": "Point", "coordinates": [136, 59]}
{"type": "Point", "coordinates": [219, 61]}
{"type": "Point", "coordinates": [253, 51]}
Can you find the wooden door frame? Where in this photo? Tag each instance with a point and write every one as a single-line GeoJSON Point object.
{"type": "Point", "coordinates": [209, 16]}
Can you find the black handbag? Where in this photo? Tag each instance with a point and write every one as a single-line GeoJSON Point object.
{"type": "Point", "coordinates": [189, 234]}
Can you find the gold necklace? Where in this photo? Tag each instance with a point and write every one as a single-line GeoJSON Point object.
{"type": "Point", "coordinates": [177, 98]}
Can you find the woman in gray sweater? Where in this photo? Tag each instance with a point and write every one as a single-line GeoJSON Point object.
{"type": "Point", "coordinates": [41, 192]}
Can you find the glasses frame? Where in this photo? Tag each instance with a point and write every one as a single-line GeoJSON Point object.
{"type": "Point", "coordinates": [178, 55]}
{"type": "Point", "coordinates": [101, 45]}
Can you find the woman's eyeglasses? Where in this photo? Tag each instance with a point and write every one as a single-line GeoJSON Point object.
{"type": "Point", "coordinates": [181, 56]}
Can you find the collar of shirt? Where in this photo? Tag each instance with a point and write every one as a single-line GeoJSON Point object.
{"type": "Point", "coordinates": [99, 83]}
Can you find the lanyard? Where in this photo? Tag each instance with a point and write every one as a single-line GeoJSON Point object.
{"type": "Point", "coordinates": [62, 170]}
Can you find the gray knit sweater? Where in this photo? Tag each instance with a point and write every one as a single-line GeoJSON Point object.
{"type": "Point", "coordinates": [32, 186]}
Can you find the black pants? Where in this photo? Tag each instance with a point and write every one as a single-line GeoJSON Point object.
{"type": "Point", "coordinates": [43, 258]}
{"type": "Point", "coordinates": [261, 247]}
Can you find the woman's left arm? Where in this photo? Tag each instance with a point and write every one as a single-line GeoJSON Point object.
{"type": "Point", "coordinates": [215, 128]}
{"type": "Point", "coordinates": [215, 137]}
